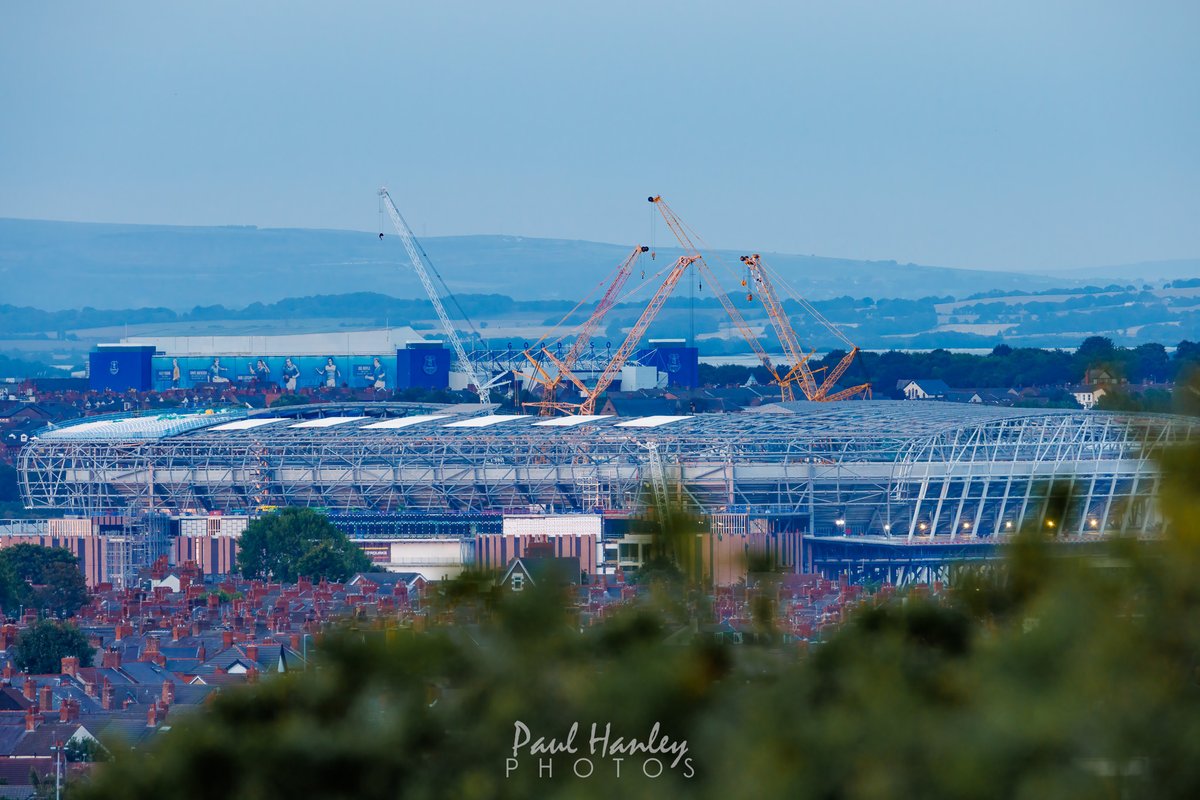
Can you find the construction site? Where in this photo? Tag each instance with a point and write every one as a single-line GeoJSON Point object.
{"type": "Point", "coordinates": [826, 478]}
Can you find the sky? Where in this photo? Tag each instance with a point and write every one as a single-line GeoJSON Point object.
{"type": "Point", "coordinates": [1005, 135]}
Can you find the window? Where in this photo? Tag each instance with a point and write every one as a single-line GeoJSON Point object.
{"type": "Point", "coordinates": [518, 582]}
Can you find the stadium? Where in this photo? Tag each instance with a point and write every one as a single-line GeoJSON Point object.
{"type": "Point", "coordinates": [897, 470]}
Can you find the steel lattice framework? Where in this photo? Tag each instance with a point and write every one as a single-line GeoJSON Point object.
{"type": "Point", "coordinates": [902, 469]}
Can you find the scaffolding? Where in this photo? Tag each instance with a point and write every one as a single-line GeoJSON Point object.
{"type": "Point", "coordinates": [901, 469]}
{"type": "Point", "coordinates": [142, 539]}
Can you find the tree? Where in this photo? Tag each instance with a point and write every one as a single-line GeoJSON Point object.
{"type": "Point", "coordinates": [41, 648]}
{"type": "Point", "coordinates": [43, 578]}
{"type": "Point", "coordinates": [298, 542]}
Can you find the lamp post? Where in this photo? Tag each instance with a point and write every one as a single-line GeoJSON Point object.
{"type": "Point", "coordinates": [304, 647]}
{"type": "Point", "coordinates": [57, 749]}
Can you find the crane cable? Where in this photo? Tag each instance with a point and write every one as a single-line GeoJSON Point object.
{"type": "Point", "coordinates": [567, 316]}
{"type": "Point", "coordinates": [812, 310]}
{"type": "Point", "coordinates": [433, 268]}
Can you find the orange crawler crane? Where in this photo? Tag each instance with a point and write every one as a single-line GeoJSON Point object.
{"type": "Point", "coordinates": [614, 366]}
{"type": "Point", "coordinates": [550, 383]}
{"type": "Point", "coordinates": [800, 372]}
{"type": "Point", "coordinates": [685, 241]}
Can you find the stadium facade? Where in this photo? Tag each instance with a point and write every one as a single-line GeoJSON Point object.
{"type": "Point", "coordinates": [901, 470]}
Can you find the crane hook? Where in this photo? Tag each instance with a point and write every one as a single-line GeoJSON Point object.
{"type": "Point", "coordinates": [381, 235]}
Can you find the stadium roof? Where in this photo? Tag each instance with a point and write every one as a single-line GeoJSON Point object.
{"type": "Point", "coordinates": [873, 457]}
{"type": "Point", "coordinates": [891, 420]}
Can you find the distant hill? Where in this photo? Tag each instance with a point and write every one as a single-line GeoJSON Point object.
{"type": "Point", "coordinates": [58, 265]}
{"type": "Point", "coordinates": [1151, 271]}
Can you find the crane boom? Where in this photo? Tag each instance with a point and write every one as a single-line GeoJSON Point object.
{"type": "Point", "coordinates": [787, 337]}
{"type": "Point", "coordinates": [549, 402]}
{"type": "Point", "coordinates": [604, 306]}
{"type": "Point", "coordinates": [635, 333]}
{"type": "Point", "coordinates": [783, 329]}
{"type": "Point", "coordinates": [410, 244]}
{"type": "Point", "coordinates": [685, 241]}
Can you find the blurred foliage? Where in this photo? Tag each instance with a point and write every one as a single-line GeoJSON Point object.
{"type": "Point", "coordinates": [1059, 675]}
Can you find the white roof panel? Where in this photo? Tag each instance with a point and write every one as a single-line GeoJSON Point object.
{"type": "Point", "coordinates": [404, 422]}
{"type": "Point", "coordinates": [246, 424]}
{"type": "Point", "coordinates": [326, 422]}
{"type": "Point", "coordinates": [572, 421]}
{"type": "Point", "coordinates": [650, 422]}
{"type": "Point", "coordinates": [89, 426]}
{"type": "Point", "coordinates": [484, 422]}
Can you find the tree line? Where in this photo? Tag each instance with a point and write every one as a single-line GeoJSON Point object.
{"type": "Point", "coordinates": [1004, 367]}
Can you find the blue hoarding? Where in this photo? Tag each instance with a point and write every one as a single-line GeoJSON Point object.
{"type": "Point", "coordinates": [287, 373]}
{"type": "Point", "coordinates": [120, 369]}
{"type": "Point", "coordinates": [680, 363]}
{"type": "Point", "coordinates": [423, 367]}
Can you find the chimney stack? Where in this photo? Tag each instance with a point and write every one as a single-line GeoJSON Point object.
{"type": "Point", "coordinates": [29, 689]}
{"type": "Point", "coordinates": [226, 640]}
{"type": "Point", "coordinates": [150, 651]}
{"type": "Point", "coordinates": [31, 719]}
{"type": "Point", "coordinates": [111, 659]}
{"type": "Point", "coordinates": [106, 695]}
{"type": "Point", "coordinates": [152, 716]}
{"type": "Point", "coordinates": [168, 692]}
{"type": "Point", "coordinates": [70, 666]}
{"type": "Point", "coordinates": [252, 652]}
{"type": "Point", "coordinates": [68, 710]}
{"type": "Point", "coordinates": [46, 699]}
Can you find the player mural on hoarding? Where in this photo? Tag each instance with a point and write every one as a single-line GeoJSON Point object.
{"type": "Point", "coordinates": [330, 372]}
{"type": "Point", "coordinates": [215, 371]}
{"type": "Point", "coordinates": [378, 374]}
{"type": "Point", "coordinates": [290, 373]}
{"type": "Point", "coordinates": [176, 373]}
{"type": "Point", "coordinates": [261, 372]}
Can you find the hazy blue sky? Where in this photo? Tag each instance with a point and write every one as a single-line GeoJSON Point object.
{"type": "Point", "coordinates": [1009, 134]}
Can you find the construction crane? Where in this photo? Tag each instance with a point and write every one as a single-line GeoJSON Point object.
{"type": "Point", "coordinates": [549, 402]}
{"type": "Point", "coordinates": [685, 241]}
{"type": "Point", "coordinates": [416, 254]}
{"type": "Point", "coordinates": [800, 372]}
{"type": "Point", "coordinates": [613, 368]}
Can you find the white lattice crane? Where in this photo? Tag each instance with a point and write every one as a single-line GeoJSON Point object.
{"type": "Point", "coordinates": [417, 256]}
